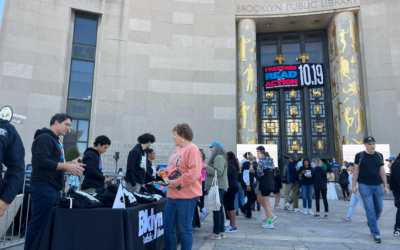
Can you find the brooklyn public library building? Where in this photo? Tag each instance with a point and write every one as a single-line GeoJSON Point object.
{"type": "Point", "coordinates": [308, 76]}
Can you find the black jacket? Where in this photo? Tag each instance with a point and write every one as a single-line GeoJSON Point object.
{"type": "Point", "coordinates": [344, 177]}
{"type": "Point", "coordinates": [306, 181]}
{"type": "Point", "coordinates": [232, 175]}
{"type": "Point", "coordinates": [47, 152]}
{"type": "Point", "coordinates": [12, 154]}
{"type": "Point", "coordinates": [134, 173]}
{"type": "Point", "coordinates": [267, 181]}
{"type": "Point", "coordinates": [246, 166]}
{"type": "Point", "coordinates": [94, 177]}
{"type": "Point", "coordinates": [150, 175]}
{"type": "Point", "coordinates": [395, 177]}
{"type": "Point", "coordinates": [319, 179]}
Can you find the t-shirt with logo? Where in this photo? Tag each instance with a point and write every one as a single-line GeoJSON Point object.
{"type": "Point", "coordinates": [334, 164]}
{"type": "Point", "coordinates": [370, 166]}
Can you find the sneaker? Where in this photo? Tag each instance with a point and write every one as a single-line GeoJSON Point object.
{"type": "Point", "coordinates": [231, 229]}
{"type": "Point", "coordinates": [310, 212]}
{"type": "Point", "coordinates": [205, 214]}
{"type": "Point", "coordinates": [346, 219]}
{"type": "Point", "coordinates": [287, 206]}
{"type": "Point", "coordinates": [200, 214]}
{"type": "Point", "coordinates": [326, 216]}
{"type": "Point", "coordinates": [213, 236]}
{"type": "Point", "coordinates": [227, 224]}
{"type": "Point", "coordinates": [278, 207]}
{"type": "Point", "coordinates": [377, 239]}
{"type": "Point", "coordinates": [305, 212]}
{"type": "Point", "coordinates": [317, 216]}
{"type": "Point", "coordinates": [273, 218]}
{"type": "Point", "coordinates": [268, 226]}
{"type": "Point", "coordinates": [223, 236]}
{"type": "Point", "coordinates": [297, 210]}
{"type": "Point", "coordinates": [258, 208]}
{"type": "Point", "coordinates": [396, 232]}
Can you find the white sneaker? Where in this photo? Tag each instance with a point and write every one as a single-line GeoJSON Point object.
{"type": "Point", "coordinates": [268, 226]}
{"type": "Point", "coordinates": [288, 207]}
{"type": "Point", "coordinates": [310, 212]}
{"type": "Point", "coordinates": [297, 210]}
{"type": "Point", "coordinates": [305, 212]}
{"type": "Point", "coordinates": [227, 224]}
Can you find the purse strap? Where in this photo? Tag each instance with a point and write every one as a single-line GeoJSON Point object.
{"type": "Point", "coordinates": [216, 178]}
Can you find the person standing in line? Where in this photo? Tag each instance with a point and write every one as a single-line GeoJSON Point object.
{"type": "Point", "coordinates": [313, 165]}
{"type": "Point", "coordinates": [239, 198]}
{"type": "Point", "coordinates": [218, 164]}
{"type": "Point", "coordinates": [278, 187]}
{"type": "Point", "coordinates": [253, 169]}
{"type": "Point", "coordinates": [335, 168]}
{"type": "Point", "coordinates": [305, 175]}
{"type": "Point", "coordinates": [294, 186]}
{"type": "Point", "coordinates": [332, 195]}
{"type": "Point", "coordinates": [319, 179]}
{"type": "Point", "coordinates": [324, 165]}
{"type": "Point", "coordinates": [344, 183]}
{"type": "Point", "coordinates": [350, 170]}
{"type": "Point", "coordinates": [395, 187]}
{"type": "Point", "coordinates": [137, 164]}
{"type": "Point", "coordinates": [94, 177]}
{"type": "Point", "coordinates": [247, 183]}
{"type": "Point", "coordinates": [200, 203]}
{"type": "Point", "coordinates": [369, 171]}
{"type": "Point", "coordinates": [48, 169]}
{"type": "Point", "coordinates": [229, 199]}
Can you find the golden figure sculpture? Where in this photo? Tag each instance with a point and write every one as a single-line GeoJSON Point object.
{"type": "Point", "coordinates": [254, 128]}
{"type": "Point", "coordinates": [295, 146]}
{"type": "Point", "coordinates": [293, 111]}
{"type": "Point", "coordinates": [335, 86]}
{"type": "Point", "coordinates": [254, 141]}
{"type": "Point", "coordinates": [271, 142]}
{"type": "Point", "coordinates": [253, 50]}
{"type": "Point", "coordinates": [359, 142]}
{"type": "Point", "coordinates": [270, 129]}
{"type": "Point", "coordinates": [349, 120]}
{"type": "Point", "coordinates": [319, 145]}
{"type": "Point", "coordinates": [320, 127]}
{"type": "Point", "coordinates": [353, 36]}
{"type": "Point", "coordinates": [280, 58]}
{"type": "Point", "coordinates": [318, 109]}
{"type": "Point", "coordinates": [342, 38]}
{"type": "Point", "coordinates": [353, 89]}
{"type": "Point", "coordinates": [317, 93]}
{"type": "Point", "coordinates": [254, 60]}
{"type": "Point", "coordinates": [353, 60]}
{"type": "Point", "coordinates": [243, 113]}
{"type": "Point", "coordinates": [270, 94]}
{"type": "Point", "coordinates": [331, 49]}
{"type": "Point", "coordinates": [360, 118]}
{"type": "Point", "coordinates": [250, 77]}
{"type": "Point", "coordinates": [343, 68]}
{"type": "Point", "coordinates": [334, 31]}
{"type": "Point", "coordinates": [294, 127]}
{"type": "Point", "coordinates": [337, 140]}
{"type": "Point", "coordinates": [270, 110]}
{"type": "Point", "coordinates": [292, 93]}
{"type": "Point", "coordinates": [344, 142]}
{"type": "Point", "coordinates": [304, 57]}
{"type": "Point", "coordinates": [240, 139]}
{"type": "Point", "coordinates": [337, 106]}
{"type": "Point", "coordinates": [242, 48]}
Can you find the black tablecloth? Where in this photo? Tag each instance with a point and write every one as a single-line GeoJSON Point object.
{"type": "Point", "coordinates": [138, 227]}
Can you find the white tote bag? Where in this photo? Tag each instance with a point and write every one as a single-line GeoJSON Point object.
{"type": "Point", "coordinates": [213, 195]}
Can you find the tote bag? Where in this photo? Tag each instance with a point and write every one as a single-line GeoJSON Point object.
{"type": "Point", "coordinates": [213, 195]}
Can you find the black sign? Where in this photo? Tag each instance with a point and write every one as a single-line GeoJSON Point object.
{"type": "Point", "coordinates": [292, 76]}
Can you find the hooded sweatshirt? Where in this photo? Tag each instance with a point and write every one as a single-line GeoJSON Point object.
{"type": "Point", "coordinates": [319, 179]}
{"type": "Point", "coordinates": [47, 152]}
{"type": "Point", "coordinates": [94, 177]}
{"type": "Point", "coordinates": [135, 174]}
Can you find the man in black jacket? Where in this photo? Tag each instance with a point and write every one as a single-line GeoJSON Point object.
{"type": "Point", "coordinates": [395, 187]}
{"type": "Point", "coordinates": [136, 165]}
{"type": "Point", "coordinates": [151, 173]}
{"type": "Point", "coordinates": [48, 168]}
{"type": "Point", "coordinates": [94, 177]}
{"type": "Point", "coordinates": [12, 155]}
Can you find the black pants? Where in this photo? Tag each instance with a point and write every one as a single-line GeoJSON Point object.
{"type": "Point", "coordinates": [200, 203]}
{"type": "Point", "coordinates": [345, 189]}
{"type": "Point", "coordinates": [397, 204]}
{"type": "Point", "coordinates": [218, 216]}
{"type": "Point", "coordinates": [251, 196]}
{"type": "Point", "coordinates": [317, 196]}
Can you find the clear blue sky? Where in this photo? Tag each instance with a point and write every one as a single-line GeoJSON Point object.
{"type": "Point", "coordinates": [1, 9]}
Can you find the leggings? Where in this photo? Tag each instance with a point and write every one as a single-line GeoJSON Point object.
{"type": "Point", "coordinates": [345, 189]}
{"type": "Point", "coordinates": [200, 203]}
{"type": "Point", "coordinates": [317, 196]}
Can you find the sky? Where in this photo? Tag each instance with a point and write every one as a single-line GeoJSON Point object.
{"type": "Point", "coordinates": [1, 9]}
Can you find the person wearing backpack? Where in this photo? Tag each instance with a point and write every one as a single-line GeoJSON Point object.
{"type": "Point", "coordinates": [368, 172]}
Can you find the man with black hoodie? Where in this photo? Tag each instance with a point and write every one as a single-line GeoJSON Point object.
{"type": "Point", "coordinates": [136, 165]}
{"type": "Point", "coordinates": [94, 178]}
{"type": "Point", "coordinates": [395, 187]}
{"type": "Point", "coordinates": [48, 168]}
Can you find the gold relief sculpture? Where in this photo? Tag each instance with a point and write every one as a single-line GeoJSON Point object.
{"type": "Point", "coordinates": [353, 61]}
{"type": "Point", "coordinates": [343, 68]}
{"type": "Point", "coordinates": [270, 94]}
{"type": "Point", "coordinates": [360, 118]}
{"type": "Point", "coordinates": [353, 36]}
{"type": "Point", "coordinates": [250, 77]}
{"type": "Point", "coordinates": [334, 31]}
{"type": "Point", "coordinates": [342, 38]}
{"type": "Point", "coordinates": [359, 142]}
{"type": "Point", "coordinates": [304, 57]}
{"type": "Point", "coordinates": [317, 93]}
{"type": "Point", "coordinates": [293, 111]}
{"type": "Point", "coordinates": [337, 106]}
{"type": "Point", "coordinates": [270, 110]}
{"type": "Point", "coordinates": [271, 142]}
{"type": "Point", "coordinates": [318, 109]}
{"type": "Point", "coordinates": [254, 60]}
{"type": "Point", "coordinates": [319, 145]}
{"type": "Point", "coordinates": [337, 140]}
{"type": "Point", "coordinates": [254, 49]}
{"type": "Point", "coordinates": [254, 128]}
{"type": "Point", "coordinates": [240, 139]}
{"type": "Point", "coordinates": [294, 127]}
{"type": "Point", "coordinates": [335, 87]}
{"type": "Point", "coordinates": [270, 129]}
{"type": "Point", "coordinates": [292, 93]}
{"type": "Point", "coordinates": [254, 141]}
{"type": "Point", "coordinates": [242, 48]}
{"type": "Point", "coordinates": [243, 114]}
{"type": "Point", "coordinates": [331, 49]}
{"type": "Point", "coordinates": [295, 146]}
{"type": "Point", "coordinates": [280, 58]}
{"type": "Point", "coordinates": [240, 84]}
{"type": "Point", "coordinates": [344, 142]}
{"type": "Point", "coordinates": [320, 128]}
{"type": "Point", "coordinates": [353, 89]}
{"type": "Point", "coordinates": [349, 120]}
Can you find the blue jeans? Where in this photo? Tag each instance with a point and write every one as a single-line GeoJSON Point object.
{"type": "Point", "coordinates": [239, 197]}
{"type": "Point", "coordinates": [355, 198]}
{"type": "Point", "coordinates": [218, 216]}
{"type": "Point", "coordinates": [307, 195]}
{"type": "Point", "coordinates": [179, 211]}
{"type": "Point", "coordinates": [44, 198]}
{"type": "Point", "coordinates": [373, 204]}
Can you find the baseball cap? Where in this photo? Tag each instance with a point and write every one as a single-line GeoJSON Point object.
{"type": "Point", "coordinates": [391, 158]}
{"type": "Point", "coordinates": [216, 143]}
{"type": "Point", "coordinates": [351, 164]}
{"type": "Point", "coordinates": [369, 139]}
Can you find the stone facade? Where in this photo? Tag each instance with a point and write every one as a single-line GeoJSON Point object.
{"type": "Point", "coordinates": [163, 62]}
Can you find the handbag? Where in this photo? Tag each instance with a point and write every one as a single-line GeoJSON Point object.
{"type": "Point", "coordinates": [213, 194]}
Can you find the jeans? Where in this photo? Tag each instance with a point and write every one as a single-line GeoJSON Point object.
{"type": "Point", "coordinates": [324, 198]}
{"type": "Point", "coordinates": [355, 198]}
{"type": "Point", "coordinates": [44, 198]}
{"type": "Point", "coordinates": [397, 204]}
{"type": "Point", "coordinates": [373, 204]}
{"type": "Point", "coordinates": [179, 211]}
{"type": "Point", "coordinates": [239, 197]}
{"type": "Point", "coordinates": [307, 195]}
{"type": "Point", "coordinates": [218, 216]}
